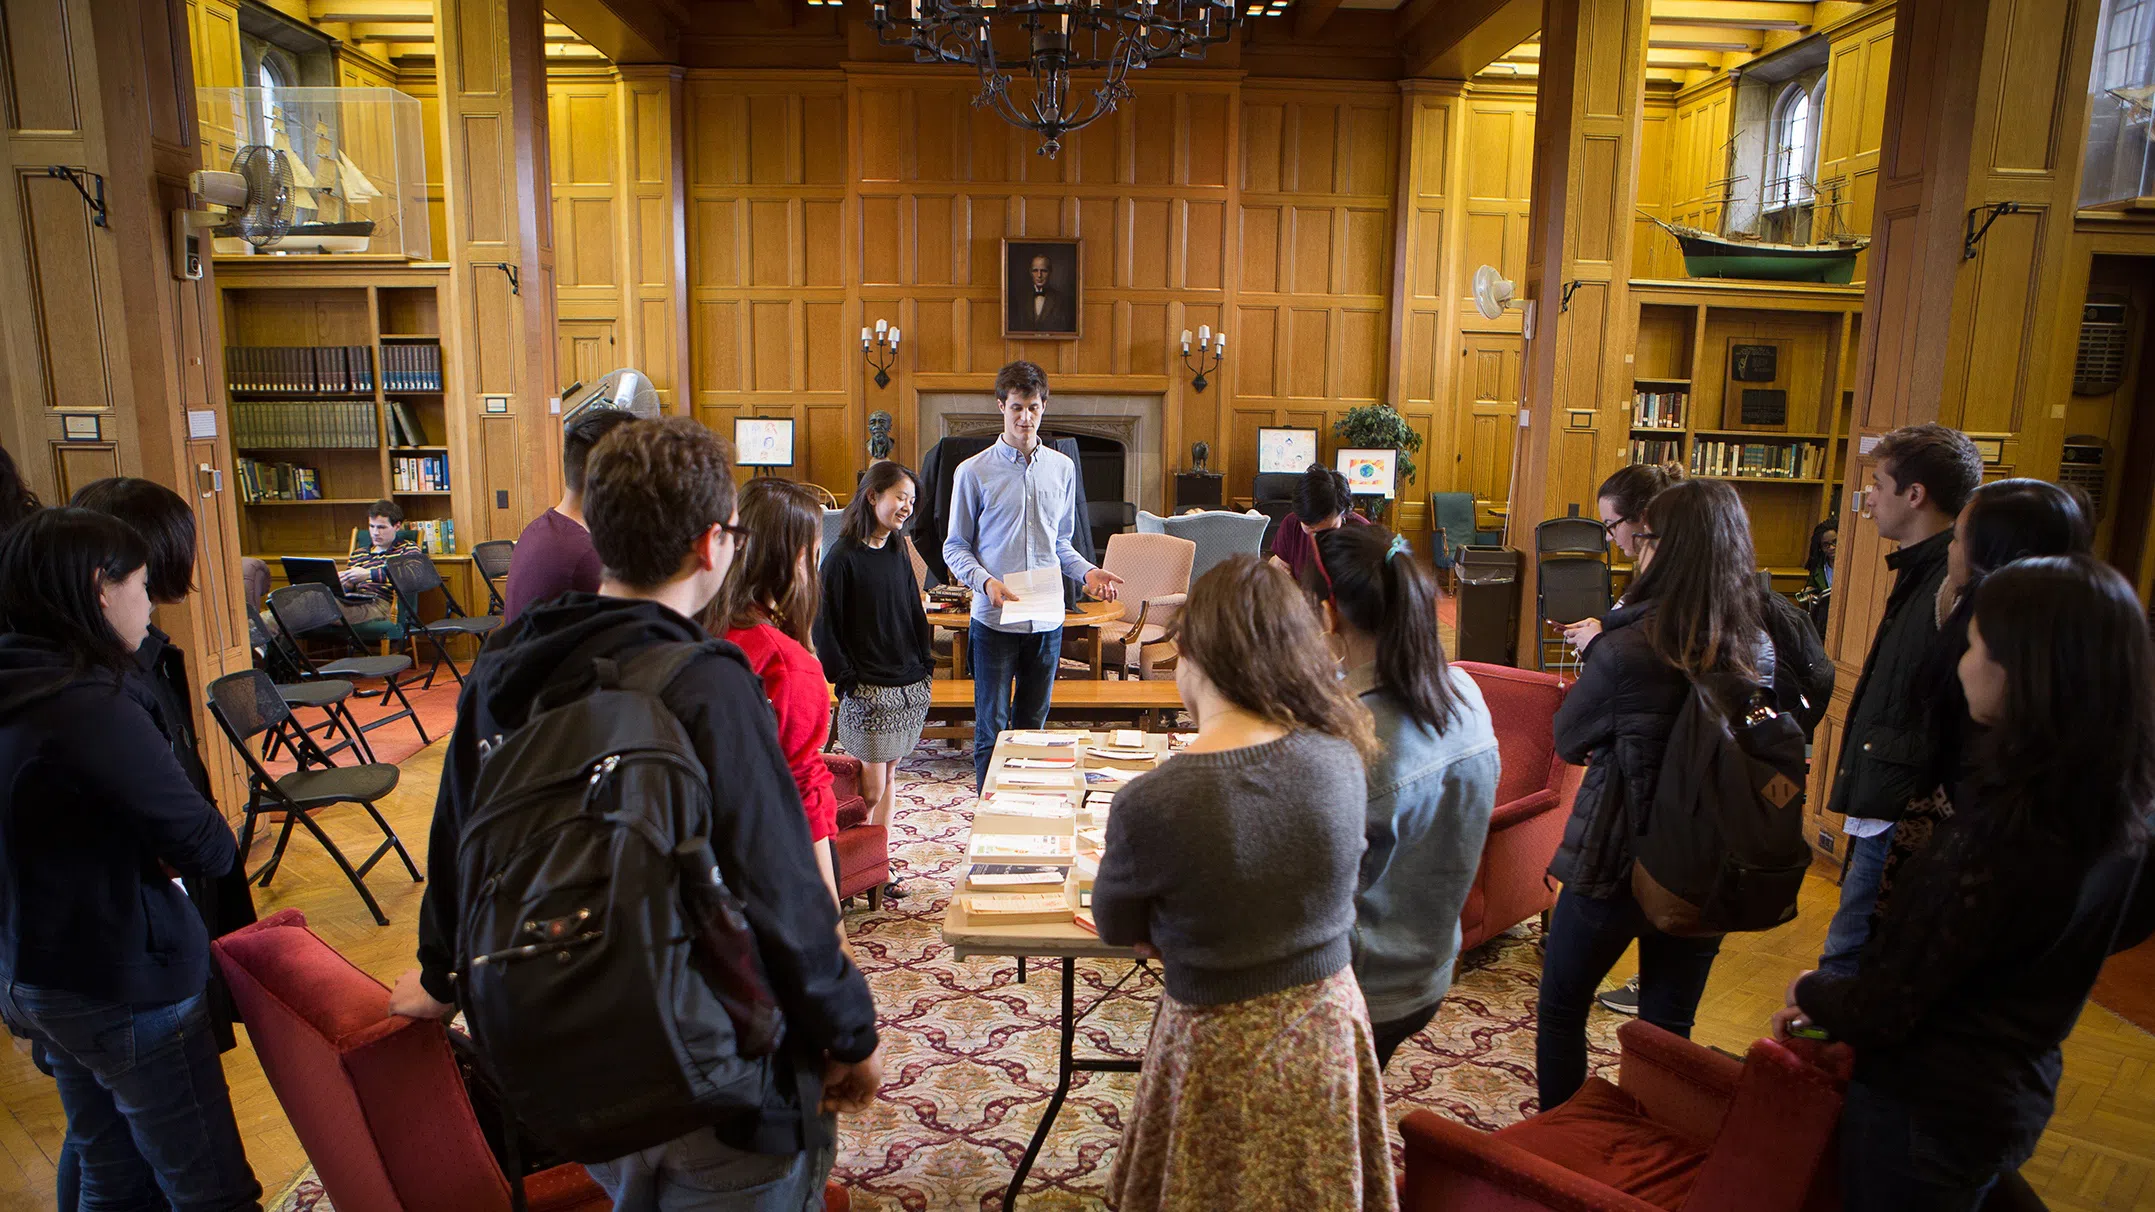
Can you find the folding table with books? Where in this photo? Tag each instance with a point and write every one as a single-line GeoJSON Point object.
{"type": "Point", "coordinates": [1038, 832]}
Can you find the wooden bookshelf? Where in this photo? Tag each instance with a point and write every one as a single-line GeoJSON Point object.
{"type": "Point", "coordinates": [1685, 333]}
{"type": "Point", "coordinates": [381, 307]}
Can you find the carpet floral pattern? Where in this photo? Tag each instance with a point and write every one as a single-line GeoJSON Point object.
{"type": "Point", "coordinates": [969, 1053]}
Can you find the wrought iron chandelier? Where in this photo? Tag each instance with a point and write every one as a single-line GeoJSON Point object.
{"type": "Point", "coordinates": [1065, 36]}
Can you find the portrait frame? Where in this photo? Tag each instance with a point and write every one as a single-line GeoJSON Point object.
{"type": "Point", "coordinates": [763, 441]}
{"type": "Point", "coordinates": [1065, 280]}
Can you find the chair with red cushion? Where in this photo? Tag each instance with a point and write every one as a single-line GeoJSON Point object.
{"type": "Point", "coordinates": [1534, 795]}
{"type": "Point", "coordinates": [860, 851]}
{"type": "Point", "coordinates": [375, 1099]}
{"type": "Point", "coordinates": [1685, 1129]}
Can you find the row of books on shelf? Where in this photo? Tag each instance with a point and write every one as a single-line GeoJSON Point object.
{"type": "Point", "coordinates": [1658, 409]}
{"type": "Point", "coordinates": [326, 370]}
{"type": "Point", "coordinates": [1657, 450]}
{"type": "Point", "coordinates": [260, 481]}
{"type": "Point", "coordinates": [411, 366]}
{"type": "Point", "coordinates": [419, 473]}
{"type": "Point", "coordinates": [1760, 460]}
{"type": "Point", "coordinates": [436, 535]}
{"type": "Point", "coordinates": [404, 427]}
{"type": "Point", "coordinates": [294, 424]}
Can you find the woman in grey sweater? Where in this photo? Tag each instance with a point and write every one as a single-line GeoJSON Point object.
{"type": "Point", "coordinates": [1432, 786]}
{"type": "Point", "coordinates": [1234, 864]}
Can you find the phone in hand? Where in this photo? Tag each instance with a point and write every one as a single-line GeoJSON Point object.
{"type": "Point", "coordinates": [1806, 1029]}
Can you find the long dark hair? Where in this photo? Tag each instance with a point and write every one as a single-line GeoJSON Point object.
{"type": "Point", "coordinates": [783, 519]}
{"type": "Point", "coordinates": [858, 521]}
{"type": "Point", "coordinates": [2073, 750]}
{"type": "Point", "coordinates": [1702, 580]}
{"type": "Point", "coordinates": [52, 567]}
{"type": "Point", "coordinates": [16, 500]}
{"type": "Point", "coordinates": [1254, 637]}
{"type": "Point", "coordinates": [1371, 578]}
{"type": "Point", "coordinates": [163, 519]}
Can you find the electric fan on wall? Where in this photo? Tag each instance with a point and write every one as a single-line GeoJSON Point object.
{"type": "Point", "coordinates": [257, 196]}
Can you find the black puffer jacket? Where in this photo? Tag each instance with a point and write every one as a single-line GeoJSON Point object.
{"type": "Point", "coordinates": [1616, 721]}
{"type": "Point", "coordinates": [1886, 755]}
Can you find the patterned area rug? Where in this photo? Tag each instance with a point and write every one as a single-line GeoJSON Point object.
{"type": "Point", "coordinates": [969, 1053]}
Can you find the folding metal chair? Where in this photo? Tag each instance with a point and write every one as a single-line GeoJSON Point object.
{"type": "Point", "coordinates": [326, 695]}
{"type": "Point", "coordinates": [311, 610]}
{"type": "Point", "coordinates": [492, 558]}
{"type": "Point", "coordinates": [1572, 582]}
{"type": "Point", "coordinates": [246, 705]}
{"type": "Point", "coordinates": [413, 575]}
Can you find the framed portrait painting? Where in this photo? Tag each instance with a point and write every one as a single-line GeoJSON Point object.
{"type": "Point", "coordinates": [1041, 289]}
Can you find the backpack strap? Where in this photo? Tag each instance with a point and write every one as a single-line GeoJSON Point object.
{"type": "Point", "coordinates": [654, 669]}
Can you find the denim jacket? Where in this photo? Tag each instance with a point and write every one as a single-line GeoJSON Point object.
{"type": "Point", "coordinates": [1430, 798]}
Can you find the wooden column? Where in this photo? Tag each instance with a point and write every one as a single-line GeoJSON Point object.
{"type": "Point", "coordinates": [109, 364]}
{"type": "Point", "coordinates": [498, 205]}
{"type": "Point", "coordinates": [654, 145]}
{"type": "Point", "coordinates": [1987, 103]}
{"type": "Point", "coordinates": [1590, 98]}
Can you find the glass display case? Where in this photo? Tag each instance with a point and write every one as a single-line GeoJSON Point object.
{"type": "Point", "coordinates": [357, 163]}
{"type": "Point", "coordinates": [2118, 170]}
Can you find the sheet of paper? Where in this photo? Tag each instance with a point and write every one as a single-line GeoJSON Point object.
{"type": "Point", "coordinates": [1040, 596]}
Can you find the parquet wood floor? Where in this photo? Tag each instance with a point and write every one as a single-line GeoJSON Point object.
{"type": "Point", "coordinates": [2099, 1152]}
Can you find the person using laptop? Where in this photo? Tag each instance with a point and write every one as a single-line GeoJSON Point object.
{"type": "Point", "coordinates": [368, 597]}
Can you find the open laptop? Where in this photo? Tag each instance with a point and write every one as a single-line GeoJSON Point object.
{"type": "Point", "coordinates": [316, 570]}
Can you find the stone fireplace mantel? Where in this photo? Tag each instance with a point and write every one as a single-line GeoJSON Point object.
{"type": "Point", "coordinates": [1133, 419]}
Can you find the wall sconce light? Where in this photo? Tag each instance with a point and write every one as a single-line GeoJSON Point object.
{"type": "Point", "coordinates": [1211, 347]}
{"type": "Point", "coordinates": [881, 348]}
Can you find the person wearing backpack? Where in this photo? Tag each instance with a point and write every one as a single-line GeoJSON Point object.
{"type": "Point", "coordinates": [1923, 477]}
{"type": "Point", "coordinates": [1432, 785]}
{"type": "Point", "coordinates": [647, 1045]}
{"type": "Point", "coordinates": [1982, 960]}
{"type": "Point", "coordinates": [1693, 609]}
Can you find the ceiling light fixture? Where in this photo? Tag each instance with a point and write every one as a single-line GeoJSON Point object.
{"type": "Point", "coordinates": [1063, 37]}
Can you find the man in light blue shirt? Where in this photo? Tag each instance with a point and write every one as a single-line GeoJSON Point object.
{"type": "Point", "coordinates": [1013, 508]}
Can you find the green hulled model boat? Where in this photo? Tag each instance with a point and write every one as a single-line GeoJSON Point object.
{"type": "Point", "coordinates": [1707, 255]}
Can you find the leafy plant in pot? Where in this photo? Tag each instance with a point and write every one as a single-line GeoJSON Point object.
{"type": "Point", "coordinates": [1380, 427]}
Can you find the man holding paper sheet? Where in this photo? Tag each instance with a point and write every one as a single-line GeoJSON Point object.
{"type": "Point", "coordinates": [1013, 510]}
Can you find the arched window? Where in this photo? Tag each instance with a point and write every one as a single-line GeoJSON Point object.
{"type": "Point", "coordinates": [1790, 163]}
{"type": "Point", "coordinates": [271, 77]}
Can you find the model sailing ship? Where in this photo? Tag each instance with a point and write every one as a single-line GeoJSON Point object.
{"type": "Point", "coordinates": [323, 201]}
{"type": "Point", "coordinates": [1830, 260]}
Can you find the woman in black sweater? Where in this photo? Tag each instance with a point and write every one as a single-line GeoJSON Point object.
{"type": "Point", "coordinates": [1981, 962]}
{"type": "Point", "coordinates": [103, 962]}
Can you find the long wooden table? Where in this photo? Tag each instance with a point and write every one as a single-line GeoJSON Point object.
{"type": "Point", "coordinates": [1065, 941]}
{"type": "Point", "coordinates": [1089, 616]}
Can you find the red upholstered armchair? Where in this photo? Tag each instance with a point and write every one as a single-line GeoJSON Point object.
{"type": "Point", "coordinates": [1685, 1130]}
{"type": "Point", "coordinates": [374, 1099]}
{"type": "Point", "coordinates": [1534, 796]}
{"type": "Point", "coordinates": [861, 851]}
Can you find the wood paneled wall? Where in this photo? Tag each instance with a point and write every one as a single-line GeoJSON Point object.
{"type": "Point", "coordinates": [1852, 122]}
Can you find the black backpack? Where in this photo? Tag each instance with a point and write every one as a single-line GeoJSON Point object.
{"type": "Point", "coordinates": [612, 986]}
{"type": "Point", "coordinates": [1721, 846]}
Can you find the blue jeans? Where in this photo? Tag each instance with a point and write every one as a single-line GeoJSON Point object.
{"type": "Point", "coordinates": [1851, 926]}
{"type": "Point", "coordinates": [1891, 1163]}
{"type": "Point", "coordinates": [697, 1172]}
{"type": "Point", "coordinates": [148, 1114]}
{"type": "Point", "coordinates": [999, 658]}
{"type": "Point", "coordinates": [1587, 935]}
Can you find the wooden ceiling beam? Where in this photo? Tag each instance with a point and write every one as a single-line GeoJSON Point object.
{"type": "Point", "coordinates": [404, 12]}
{"type": "Point", "coordinates": [1728, 45]}
{"type": "Point", "coordinates": [1454, 39]}
{"type": "Point", "coordinates": [1781, 15]}
{"type": "Point", "coordinates": [625, 31]}
{"type": "Point", "coordinates": [1310, 16]}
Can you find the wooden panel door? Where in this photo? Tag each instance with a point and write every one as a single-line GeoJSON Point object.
{"type": "Point", "coordinates": [587, 349]}
{"type": "Point", "coordinates": [1488, 411]}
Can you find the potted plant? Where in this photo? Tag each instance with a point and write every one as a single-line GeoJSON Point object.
{"type": "Point", "coordinates": [1380, 427]}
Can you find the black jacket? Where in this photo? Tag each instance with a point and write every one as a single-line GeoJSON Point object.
{"type": "Point", "coordinates": [1886, 757]}
{"type": "Point", "coordinates": [93, 807]}
{"type": "Point", "coordinates": [1616, 720]}
{"type": "Point", "coordinates": [1802, 672]}
{"type": "Point", "coordinates": [1975, 974]}
{"type": "Point", "coordinates": [223, 901]}
{"type": "Point", "coordinates": [758, 830]}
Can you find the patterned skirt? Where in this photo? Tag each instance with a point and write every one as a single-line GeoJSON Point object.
{"type": "Point", "coordinates": [883, 723]}
{"type": "Point", "coordinates": [1274, 1103]}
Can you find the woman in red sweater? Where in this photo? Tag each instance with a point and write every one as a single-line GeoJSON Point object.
{"type": "Point", "coordinates": [767, 607]}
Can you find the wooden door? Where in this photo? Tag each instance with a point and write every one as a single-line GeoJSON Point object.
{"type": "Point", "coordinates": [587, 350]}
{"type": "Point", "coordinates": [1488, 411]}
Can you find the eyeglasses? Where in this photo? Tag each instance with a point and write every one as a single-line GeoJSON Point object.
{"type": "Point", "coordinates": [738, 534]}
{"type": "Point", "coordinates": [1647, 536]}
